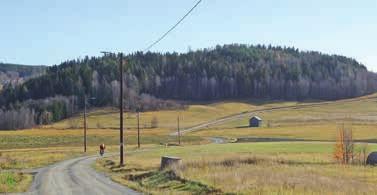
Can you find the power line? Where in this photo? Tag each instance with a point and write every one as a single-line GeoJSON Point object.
{"type": "Point", "coordinates": [172, 28]}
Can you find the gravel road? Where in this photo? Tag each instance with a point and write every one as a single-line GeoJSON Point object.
{"type": "Point", "coordinates": [75, 176]}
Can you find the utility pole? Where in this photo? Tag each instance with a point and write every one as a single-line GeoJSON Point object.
{"type": "Point", "coordinates": [121, 139]}
{"type": "Point", "coordinates": [138, 130]}
{"type": "Point", "coordinates": [179, 132]}
{"type": "Point", "coordinates": [121, 110]}
{"type": "Point", "coordinates": [84, 123]}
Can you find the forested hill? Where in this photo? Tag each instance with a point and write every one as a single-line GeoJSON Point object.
{"type": "Point", "coordinates": [229, 71]}
{"type": "Point", "coordinates": [16, 74]}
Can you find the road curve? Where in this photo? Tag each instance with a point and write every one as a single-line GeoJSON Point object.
{"type": "Point", "coordinates": [75, 176]}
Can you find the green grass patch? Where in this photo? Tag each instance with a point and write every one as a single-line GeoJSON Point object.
{"type": "Point", "coordinates": [152, 181]}
{"type": "Point", "coordinates": [168, 179]}
{"type": "Point", "coordinates": [14, 182]}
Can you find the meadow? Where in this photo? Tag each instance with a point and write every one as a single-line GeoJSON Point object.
{"type": "Point", "coordinates": [319, 122]}
{"type": "Point", "coordinates": [268, 167]}
{"type": "Point", "coordinates": [244, 168]}
{"type": "Point", "coordinates": [303, 167]}
{"type": "Point", "coordinates": [103, 126]}
{"type": "Point", "coordinates": [24, 150]}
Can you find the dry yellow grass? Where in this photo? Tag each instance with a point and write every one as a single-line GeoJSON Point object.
{"type": "Point", "coordinates": [255, 175]}
{"type": "Point", "coordinates": [325, 132]}
{"type": "Point", "coordinates": [312, 162]}
{"type": "Point", "coordinates": [103, 126]}
{"type": "Point", "coordinates": [319, 122]}
{"type": "Point", "coordinates": [252, 168]}
{"type": "Point", "coordinates": [167, 119]}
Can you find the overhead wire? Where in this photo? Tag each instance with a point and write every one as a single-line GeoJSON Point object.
{"type": "Point", "coordinates": [173, 27]}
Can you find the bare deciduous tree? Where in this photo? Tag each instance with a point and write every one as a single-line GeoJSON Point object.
{"type": "Point", "coordinates": [344, 146]}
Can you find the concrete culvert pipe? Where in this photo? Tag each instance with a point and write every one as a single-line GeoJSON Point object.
{"type": "Point", "coordinates": [372, 159]}
{"type": "Point", "coordinates": [168, 161]}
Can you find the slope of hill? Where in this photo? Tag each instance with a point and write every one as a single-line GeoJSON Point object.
{"type": "Point", "coordinates": [229, 71]}
{"type": "Point", "coordinates": [16, 74]}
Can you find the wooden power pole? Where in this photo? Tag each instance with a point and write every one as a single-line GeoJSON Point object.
{"type": "Point", "coordinates": [138, 130]}
{"type": "Point", "coordinates": [121, 139]}
{"type": "Point", "coordinates": [84, 123]}
{"type": "Point", "coordinates": [179, 132]}
{"type": "Point", "coordinates": [121, 110]}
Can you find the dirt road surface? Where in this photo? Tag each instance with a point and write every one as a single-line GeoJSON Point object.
{"type": "Point", "coordinates": [75, 176]}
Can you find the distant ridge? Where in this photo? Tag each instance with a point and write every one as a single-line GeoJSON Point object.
{"type": "Point", "coordinates": [18, 73]}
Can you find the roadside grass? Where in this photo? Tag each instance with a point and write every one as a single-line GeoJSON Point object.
{"type": "Point", "coordinates": [13, 177]}
{"type": "Point", "coordinates": [262, 168]}
{"type": "Point", "coordinates": [14, 182]}
{"type": "Point", "coordinates": [260, 175]}
{"type": "Point", "coordinates": [20, 159]}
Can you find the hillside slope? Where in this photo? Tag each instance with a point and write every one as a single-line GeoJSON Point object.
{"type": "Point", "coordinates": [229, 71]}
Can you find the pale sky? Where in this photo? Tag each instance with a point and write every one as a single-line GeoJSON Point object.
{"type": "Point", "coordinates": [49, 32]}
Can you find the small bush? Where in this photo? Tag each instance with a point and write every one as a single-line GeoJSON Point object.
{"type": "Point", "coordinates": [154, 122]}
{"type": "Point", "coordinates": [99, 125]}
{"type": "Point", "coordinates": [74, 123]}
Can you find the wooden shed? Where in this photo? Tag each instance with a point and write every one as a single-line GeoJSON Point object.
{"type": "Point", "coordinates": [255, 121]}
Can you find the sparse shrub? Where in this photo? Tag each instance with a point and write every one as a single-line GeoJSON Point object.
{"type": "Point", "coordinates": [74, 123]}
{"type": "Point", "coordinates": [362, 154]}
{"type": "Point", "coordinates": [154, 122]}
{"type": "Point", "coordinates": [99, 125]}
{"type": "Point", "coordinates": [344, 146]}
{"type": "Point", "coordinates": [269, 124]}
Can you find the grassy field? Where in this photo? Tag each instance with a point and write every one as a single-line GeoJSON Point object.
{"type": "Point", "coordinates": [104, 126]}
{"type": "Point", "coordinates": [321, 132]}
{"type": "Point", "coordinates": [275, 167]}
{"type": "Point", "coordinates": [317, 122]}
{"type": "Point", "coordinates": [74, 138]}
{"type": "Point", "coordinates": [269, 168]}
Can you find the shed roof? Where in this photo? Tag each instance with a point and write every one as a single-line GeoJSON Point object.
{"type": "Point", "coordinates": [256, 117]}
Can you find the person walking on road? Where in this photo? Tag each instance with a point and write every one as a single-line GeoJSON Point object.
{"type": "Point", "coordinates": [102, 148]}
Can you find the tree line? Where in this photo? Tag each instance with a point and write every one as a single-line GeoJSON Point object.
{"type": "Point", "coordinates": [228, 71]}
